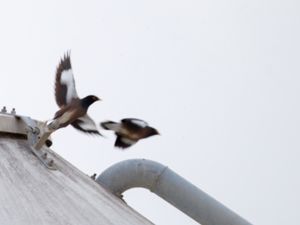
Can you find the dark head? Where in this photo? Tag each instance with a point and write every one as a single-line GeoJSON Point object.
{"type": "Point", "coordinates": [151, 131]}
{"type": "Point", "coordinates": [88, 100]}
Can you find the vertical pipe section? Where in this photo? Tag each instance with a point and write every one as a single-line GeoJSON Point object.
{"type": "Point", "coordinates": [169, 186]}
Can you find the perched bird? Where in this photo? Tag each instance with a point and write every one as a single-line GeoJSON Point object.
{"type": "Point", "coordinates": [73, 110]}
{"type": "Point", "coordinates": [94, 176]}
{"type": "Point", "coordinates": [129, 131]}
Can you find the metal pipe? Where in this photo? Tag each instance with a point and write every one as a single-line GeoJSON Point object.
{"type": "Point", "coordinates": [169, 186]}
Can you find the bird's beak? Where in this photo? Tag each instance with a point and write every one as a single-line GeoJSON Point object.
{"type": "Point", "coordinates": [97, 99]}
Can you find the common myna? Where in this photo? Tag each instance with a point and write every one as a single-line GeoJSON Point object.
{"type": "Point", "coordinates": [129, 131]}
{"type": "Point", "coordinates": [73, 110]}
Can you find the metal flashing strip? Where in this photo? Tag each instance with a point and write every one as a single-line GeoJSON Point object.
{"type": "Point", "coordinates": [37, 134]}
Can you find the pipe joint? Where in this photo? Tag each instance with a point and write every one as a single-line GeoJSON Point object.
{"type": "Point", "coordinates": [173, 188]}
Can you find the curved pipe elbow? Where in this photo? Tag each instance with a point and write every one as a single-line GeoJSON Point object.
{"type": "Point", "coordinates": [130, 174]}
{"type": "Point", "coordinates": [169, 186]}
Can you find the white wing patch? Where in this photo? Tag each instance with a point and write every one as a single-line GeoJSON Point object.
{"type": "Point", "coordinates": [140, 123]}
{"type": "Point", "coordinates": [87, 123]}
{"type": "Point", "coordinates": [128, 141]}
{"type": "Point", "coordinates": [67, 79]}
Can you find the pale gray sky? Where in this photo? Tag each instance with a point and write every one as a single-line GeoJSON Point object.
{"type": "Point", "coordinates": [219, 79]}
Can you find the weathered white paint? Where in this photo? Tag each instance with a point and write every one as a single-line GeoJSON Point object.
{"type": "Point", "coordinates": [9, 124]}
{"type": "Point", "coordinates": [32, 194]}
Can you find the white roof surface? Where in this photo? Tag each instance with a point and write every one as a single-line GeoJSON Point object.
{"type": "Point", "coordinates": [32, 194]}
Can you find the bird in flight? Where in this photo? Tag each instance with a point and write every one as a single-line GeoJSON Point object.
{"type": "Point", "coordinates": [129, 131]}
{"type": "Point", "coordinates": [73, 110]}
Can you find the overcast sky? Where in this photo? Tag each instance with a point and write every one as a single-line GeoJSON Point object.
{"type": "Point", "coordinates": [219, 80]}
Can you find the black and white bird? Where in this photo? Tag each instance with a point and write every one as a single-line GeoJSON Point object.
{"type": "Point", "coordinates": [129, 131]}
{"type": "Point", "coordinates": [73, 110]}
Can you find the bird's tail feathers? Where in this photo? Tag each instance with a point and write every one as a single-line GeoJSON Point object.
{"type": "Point", "coordinates": [110, 125]}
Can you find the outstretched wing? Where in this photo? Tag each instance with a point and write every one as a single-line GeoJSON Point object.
{"type": "Point", "coordinates": [122, 142]}
{"type": "Point", "coordinates": [134, 125]}
{"type": "Point", "coordinates": [65, 90]}
{"type": "Point", "coordinates": [86, 124]}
